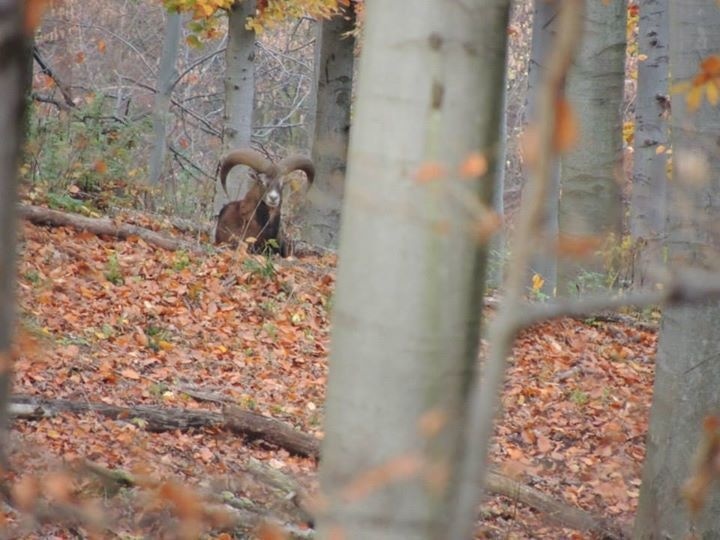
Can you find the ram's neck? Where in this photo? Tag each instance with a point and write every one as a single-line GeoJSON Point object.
{"type": "Point", "coordinates": [269, 220]}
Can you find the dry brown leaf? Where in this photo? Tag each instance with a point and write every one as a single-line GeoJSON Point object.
{"type": "Point", "coordinates": [429, 172]}
{"type": "Point", "coordinates": [530, 145]}
{"type": "Point", "coordinates": [566, 126]}
{"type": "Point", "coordinates": [578, 246]}
{"type": "Point", "coordinates": [394, 470]}
{"type": "Point", "coordinates": [130, 373]}
{"type": "Point", "coordinates": [26, 492]}
{"type": "Point", "coordinates": [544, 444]}
{"type": "Point", "coordinates": [58, 486]}
{"type": "Point", "coordinates": [476, 164]}
{"type": "Point", "coordinates": [432, 422]}
{"type": "Point", "coordinates": [34, 10]}
{"type": "Point", "coordinates": [270, 531]}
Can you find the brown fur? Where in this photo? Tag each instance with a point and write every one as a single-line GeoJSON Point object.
{"type": "Point", "coordinates": [251, 217]}
{"type": "Point", "coordinates": [248, 218]}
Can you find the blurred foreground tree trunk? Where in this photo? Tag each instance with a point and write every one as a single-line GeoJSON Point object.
{"type": "Point", "coordinates": [590, 204]}
{"type": "Point", "coordinates": [498, 247]}
{"type": "Point", "coordinates": [652, 106]}
{"type": "Point", "coordinates": [15, 77]}
{"type": "Point", "coordinates": [543, 31]}
{"type": "Point", "coordinates": [687, 377]}
{"type": "Point", "coordinates": [334, 61]}
{"type": "Point", "coordinates": [416, 221]}
{"type": "Point", "coordinates": [163, 91]}
{"type": "Point", "coordinates": [239, 94]}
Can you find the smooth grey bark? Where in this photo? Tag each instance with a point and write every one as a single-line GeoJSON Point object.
{"type": "Point", "coordinates": [334, 60]}
{"type": "Point", "coordinates": [687, 378]}
{"type": "Point", "coordinates": [498, 247]}
{"type": "Point", "coordinates": [239, 95]}
{"type": "Point", "coordinates": [15, 77]}
{"type": "Point", "coordinates": [163, 91]}
{"type": "Point", "coordinates": [649, 182]}
{"type": "Point", "coordinates": [410, 280]}
{"type": "Point", "coordinates": [590, 203]}
{"type": "Point", "coordinates": [543, 32]}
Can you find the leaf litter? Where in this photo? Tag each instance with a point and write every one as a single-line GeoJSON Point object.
{"type": "Point", "coordinates": [124, 323]}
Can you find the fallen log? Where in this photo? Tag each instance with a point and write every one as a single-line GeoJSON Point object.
{"type": "Point", "coordinates": [272, 431]}
{"type": "Point", "coordinates": [248, 424]}
{"type": "Point", "coordinates": [40, 215]}
{"type": "Point", "coordinates": [256, 426]}
{"type": "Point", "coordinates": [555, 511]}
{"type": "Point", "coordinates": [102, 226]}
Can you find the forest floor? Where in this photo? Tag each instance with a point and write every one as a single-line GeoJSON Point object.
{"type": "Point", "coordinates": [124, 323]}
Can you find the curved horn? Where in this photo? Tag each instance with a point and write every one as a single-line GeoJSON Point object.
{"type": "Point", "coordinates": [243, 156]}
{"type": "Point", "coordinates": [298, 163]}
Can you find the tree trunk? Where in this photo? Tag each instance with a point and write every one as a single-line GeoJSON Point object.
{"type": "Point", "coordinates": [239, 95]}
{"type": "Point", "coordinates": [163, 91]}
{"type": "Point", "coordinates": [411, 275]}
{"type": "Point", "coordinates": [543, 28]}
{"type": "Point", "coordinates": [687, 376]}
{"type": "Point", "coordinates": [590, 201]}
{"type": "Point", "coordinates": [15, 77]}
{"type": "Point", "coordinates": [647, 209]}
{"type": "Point", "coordinates": [334, 60]}
{"type": "Point", "coordinates": [498, 247]}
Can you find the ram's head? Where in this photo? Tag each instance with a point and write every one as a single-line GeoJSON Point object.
{"type": "Point", "coordinates": [272, 176]}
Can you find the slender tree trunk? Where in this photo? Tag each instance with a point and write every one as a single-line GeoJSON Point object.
{"type": "Point", "coordinates": [498, 249]}
{"type": "Point", "coordinates": [163, 91]}
{"type": "Point", "coordinates": [410, 281]}
{"type": "Point", "coordinates": [334, 60]}
{"type": "Point", "coordinates": [590, 200]}
{"type": "Point", "coordinates": [545, 261]}
{"type": "Point", "coordinates": [687, 376]}
{"type": "Point", "coordinates": [484, 392]}
{"type": "Point", "coordinates": [647, 209]}
{"type": "Point", "coordinates": [15, 65]}
{"type": "Point", "coordinates": [239, 94]}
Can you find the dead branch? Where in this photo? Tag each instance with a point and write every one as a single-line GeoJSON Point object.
{"type": "Point", "coordinates": [687, 286]}
{"type": "Point", "coordinates": [556, 511]}
{"type": "Point", "coordinates": [272, 431]}
{"type": "Point", "coordinates": [40, 215]}
{"type": "Point", "coordinates": [248, 424]}
{"type": "Point", "coordinates": [280, 434]}
{"type": "Point", "coordinates": [47, 70]}
{"type": "Point", "coordinates": [102, 226]}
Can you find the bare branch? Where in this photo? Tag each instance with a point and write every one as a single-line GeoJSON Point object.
{"type": "Point", "coordinates": [184, 159]}
{"type": "Point", "coordinates": [210, 128]}
{"type": "Point", "coordinates": [686, 287]}
{"type": "Point", "coordinates": [47, 70]}
{"type": "Point", "coordinates": [151, 69]}
{"type": "Point", "coordinates": [198, 62]}
{"type": "Point", "coordinates": [484, 396]}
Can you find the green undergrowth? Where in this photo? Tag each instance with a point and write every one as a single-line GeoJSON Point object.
{"type": "Point", "coordinates": [84, 159]}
